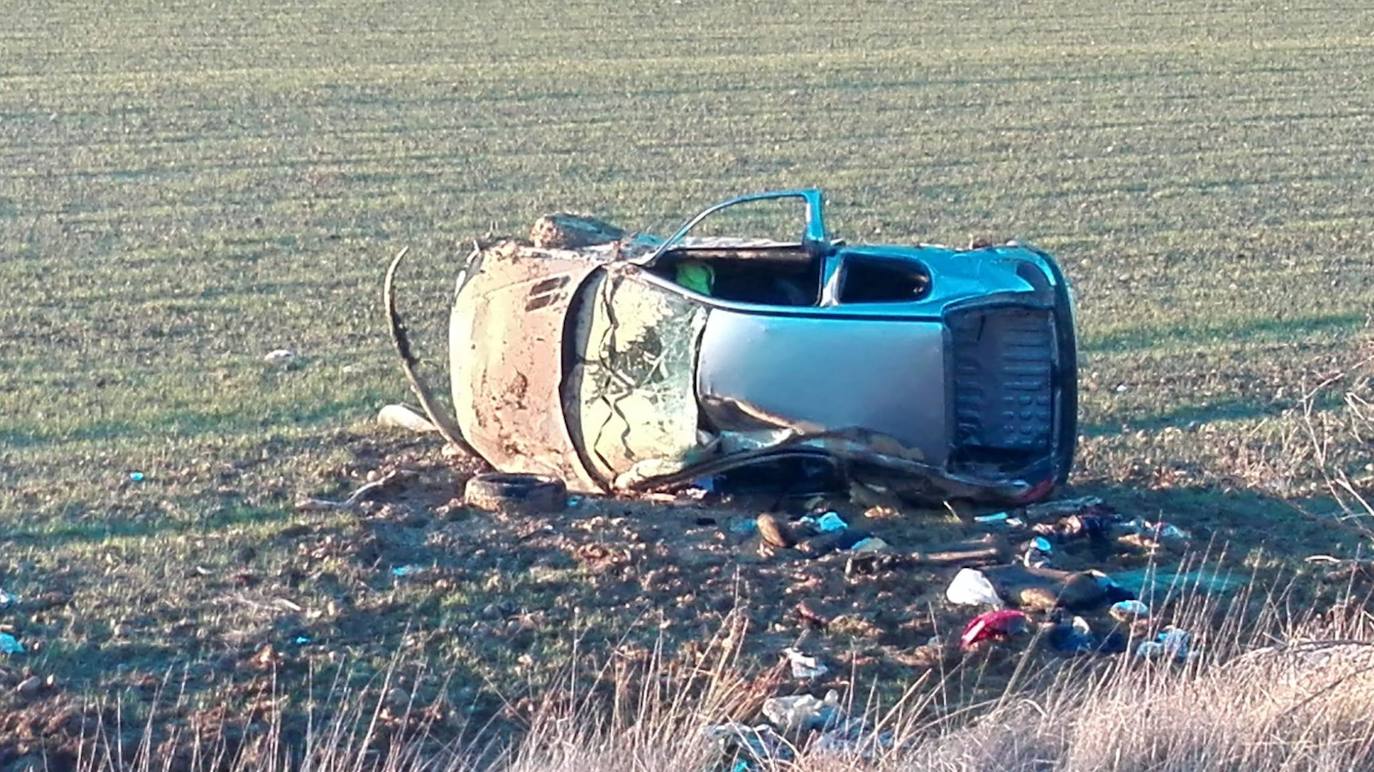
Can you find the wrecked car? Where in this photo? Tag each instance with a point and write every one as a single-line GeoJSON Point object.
{"type": "Point", "coordinates": [639, 362]}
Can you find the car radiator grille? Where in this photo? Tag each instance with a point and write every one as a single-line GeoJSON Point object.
{"type": "Point", "coordinates": [1003, 373]}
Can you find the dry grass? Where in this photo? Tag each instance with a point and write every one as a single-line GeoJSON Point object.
{"type": "Point", "coordinates": [1267, 692]}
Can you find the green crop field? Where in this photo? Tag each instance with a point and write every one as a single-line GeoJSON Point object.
{"type": "Point", "coordinates": [185, 187]}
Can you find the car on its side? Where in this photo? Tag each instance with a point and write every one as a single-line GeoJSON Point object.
{"type": "Point", "coordinates": [640, 363]}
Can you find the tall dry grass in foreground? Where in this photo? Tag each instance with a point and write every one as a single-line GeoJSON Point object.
{"type": "Point", "coordinates": [1267, 691]}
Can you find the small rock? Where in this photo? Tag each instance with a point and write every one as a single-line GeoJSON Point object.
{"type": "Point", "coordinates": [823, 544]}
{"type": "Point", "coordinates": [773, 532]}
{"type": "Point", "coordinates": [281, 356]}
{"type": "Point", "coordinates": [30, 687]}
{"type": "Point", "coordinates": [402, 417]}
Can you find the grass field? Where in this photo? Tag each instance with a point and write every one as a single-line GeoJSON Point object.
{"type": "Point", "coordinates": [185, 187]}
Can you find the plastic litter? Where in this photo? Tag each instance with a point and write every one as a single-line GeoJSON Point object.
{"type": "Point", "coordinates": [1159, 530]}
{"type": "Point", "coordinates": [970, 587]}
{"type": "Point", "coordinates": [1172, 643]}
{"type": "Point", "coordinates": [7, 599]}
{"type": "Point", "coordinates": [830, 522]}
{"type": "Point", "coordinates": [1071, 638]}
{"type": "Point", "coordinates": [853, 739]}
{"type": "Point", "coordinates": [279, 356]}
{"type": "Point", "coordinates": [993, 625]}
{"type": "Point", "coordinates": [1038, 555]}
{"type": "Point", "coordinates": [871, 544]}
{"type": "Point", "coordinates": [1129, 611]}
{"type": "Point", "coordinates": [803, 712]}
{"type": "Point", "coordinates": [747, 746]}
{"type": "Point", "coordinates": [404, 570]}
{"type": "Point", "coordinates": [136, 476]}
{"type": "Point", "coordinates": [993, 519]}
{"type": "Point", "coordinates": [10, 645]}
{"type": "Point", "coordinates": [809, 668]}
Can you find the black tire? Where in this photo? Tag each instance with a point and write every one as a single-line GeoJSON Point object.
{"type": "Point", "coordinates": [518, 492]}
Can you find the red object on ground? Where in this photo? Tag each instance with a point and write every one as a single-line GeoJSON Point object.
{"type": "Point", "coordinates": [993, 625]}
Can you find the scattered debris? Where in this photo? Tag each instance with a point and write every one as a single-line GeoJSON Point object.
{"type": "Point", "coordinates": [803, 666]}
{"type": "Point", "coordinates": [1128, 611]}
{"type": "Point", "coordinates": [996, 518]}
{"type": "Point", "coordinates": [1057, 509]}
{"type": "Point", "coordinates": [7, 599]}
{"type": "Point", "coordinates": [400, 571]}
{"type": "Point", "coordinates": [137, 477]}
{"type": "Point", "coordinates": [995, 626]}
{"type": "Point", "coordinates": [744, 746]}
{"type": "Point", "coordinates": [403, 417]}
{"type": "Point", "coordinates": [773, 532]}
{"type": "Point", "coordinates": [499, 491]}
{"type": "Point", "coordinates": [355, 498]}
{"type": "Point", "coordinates": [10, 645]}
{"type": "Point", "coordinates": [803, 713]}
{"type": "Point", "coordinates": [971, 588]}
{"type": "Point", "coordinates": [1152, 536]}
{"type": "Point", "coordinates": [870, 544]}
{"type": "Point", "coordinates": [1038, 553]}
{"type": "Point", "coordinates": [1171, 643]}
{"type": "Point", "coordinates": [281, 356]}
{"type": "Point", "coordinates": [830, 522]}
{"type": "Point", "coordinates": [1152, 581]}
{"type": "Point", "coordinates": [985, 550]}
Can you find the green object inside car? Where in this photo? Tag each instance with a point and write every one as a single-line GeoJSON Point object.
{"type": "Point", "coordinates": [695, 276]}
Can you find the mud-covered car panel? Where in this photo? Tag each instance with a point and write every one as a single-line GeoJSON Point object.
{"type": "Point", "coordinates": [505, 348]}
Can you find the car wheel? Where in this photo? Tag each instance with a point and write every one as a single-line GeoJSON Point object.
{"type": "Point", "coordinates": [521, 492]}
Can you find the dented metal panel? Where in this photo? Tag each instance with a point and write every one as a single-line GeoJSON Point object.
{"type": "Point", "coordinates": [813, 376]}
{"type": "Point", "coordinates": [506, 344]}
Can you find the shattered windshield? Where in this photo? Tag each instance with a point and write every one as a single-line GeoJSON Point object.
{"type": "Point", "coordinates": [629, 395]}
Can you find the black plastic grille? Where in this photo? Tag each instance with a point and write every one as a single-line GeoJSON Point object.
{"type": "Point", "coordinates": [1003, 379]}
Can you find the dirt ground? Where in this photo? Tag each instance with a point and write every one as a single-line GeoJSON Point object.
{"type": "Point", "coordinates": [478, 615]}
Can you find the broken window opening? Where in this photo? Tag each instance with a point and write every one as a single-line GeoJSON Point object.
{"type": "Point", "coordinates": [774, 276]}
{"type": "Point", "coordinates": [882, 280]}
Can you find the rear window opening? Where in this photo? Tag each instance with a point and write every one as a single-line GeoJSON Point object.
{"type": "Point", "coordinates": [882, 280]}
{"type": "Point", "coordinates": [774, 276]}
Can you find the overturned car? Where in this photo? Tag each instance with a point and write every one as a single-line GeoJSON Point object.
{"type": "Point", "coordinates": [640, 363]}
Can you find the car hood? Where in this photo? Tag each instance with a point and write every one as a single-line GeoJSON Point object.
{"type": "Point", "coordinates": [506, 343]}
